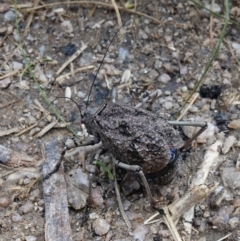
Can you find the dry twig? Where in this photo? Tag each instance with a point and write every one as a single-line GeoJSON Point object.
{"type": "Point", "coordinates": [100, 4]}
{"type": "Point", "coordinates": [30, 18]}
{"type": "Point", "coordinates": [121, 33]}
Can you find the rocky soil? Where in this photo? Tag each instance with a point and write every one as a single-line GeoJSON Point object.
{"type": "Point", "coordinates": [163, 45]}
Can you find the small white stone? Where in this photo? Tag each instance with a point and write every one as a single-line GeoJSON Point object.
{"type": "Point", "coordinates": [168, 105]}
{"type": "Point", "coordinates": [9, 16]}
{"type": "Point", "coordinates": [164, 78]}
{"type": "Point", "coordinates": [68, 93]}
{"type": "Point", "coordinates": [234, 222]}
{"type": "Point", "coordinates": [67, 26]}
{"type": "Point", "coordinates": [193, 109]}
{"type": "Point", "coordinates": [184, 89]}
{"type": "Point", "coordinates": [100, 226]}
{"type": "Point", "coordinates": [93, 216]}
{"type": "Point", "coordinates": [30, 238]}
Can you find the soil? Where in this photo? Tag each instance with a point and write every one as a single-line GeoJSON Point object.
{"type": "Point", "coordinates": [167, 52]}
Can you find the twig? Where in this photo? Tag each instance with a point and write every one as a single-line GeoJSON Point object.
{"type": "Point", "coordinates": [32, 126]}
{"type": "Point", "coordinates": [192, 100]}
{"type": "Point", "coordinates": [11, 73]}
{"type": "Point", "coordinates": [121, 33]}
{"type": "Point", "coordinates": [9, 131]}
{"type": "Point", "coordinates": [98, 3]}
{"type": "Point", "coordinates": [190, 199]}
{"type": "Point", "coordinates": [9, 156]}
{"type": "Point", "coordinates": [45, 129]}
{"type": "Point", "coordinates": [224, 237]}
{"type": "Point", "coordinates": [84, 46]}
{"type": "Point", "coordinates": [67, 75]}
{"type": "Point", "coordinates": [9, 103]}
{"type": "Point", "coordinates": [171, 226]}
{"type": "Point", "coordinates": [30, 18]}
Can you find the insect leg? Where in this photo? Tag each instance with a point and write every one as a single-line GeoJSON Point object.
{"type": "Point", "coordinates": [201, 124]}
{"type": "Point", "coordinates": [138, 169]}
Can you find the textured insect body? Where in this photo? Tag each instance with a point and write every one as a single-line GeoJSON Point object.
{"type": "Point", "coordinates": [137, 137]}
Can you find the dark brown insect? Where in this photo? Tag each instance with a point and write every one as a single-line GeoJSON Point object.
{"type": "Point", "coordinates": [140, 140]}
{"type": "Point", "coordinates": [135, 136]}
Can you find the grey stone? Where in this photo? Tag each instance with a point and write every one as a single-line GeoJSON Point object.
{"type": "Point", "coordinates": [100, 226]}
{"type": "Point", "coordinates": [231, 178]}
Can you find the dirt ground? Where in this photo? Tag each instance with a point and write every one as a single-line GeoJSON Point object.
{"type": "Point", "coordinates": [166, 47]}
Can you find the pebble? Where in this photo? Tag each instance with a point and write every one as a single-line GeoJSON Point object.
{"type": "Point", "coordinates": [233, 222]}
{"type": "Point", "coordinates": [67, 26]}
{"type": "Point", "coordinates": [223, 215]}
{"type": "Point", "coordinates": [193, 109]}
{"type": "Point", "coordinates": [30, 238]}
{"type": "Point", "coordinates": [153, 74]}
{"type": "Point", "coordinates": [16, 218]}
{"type": "Point", "coordinates": [100, 226]}
{"type": "Point", "coordinates": [77, 199]}
{"type": "Point", "coordinates": [191, 85]}
{"type": "Point", "coordinates": [130, 184]}
{"type": "Point", "coordinates": [214, 7]}
{"type": "Point", "coordinates": [9, 16]}
{"type": "Point", "coordinates": [168, 68]}
{"type": "Point", "coordinates": [231, 178]}
{"type": "Point", "coordinates": [206, 214]}
{"type": "Point", "coordinates": [123, 53]}
{"type": "Point", "coordinates": [236, 202]}
{"type": "Point", "coordinates": [167, 92]}
{"type": "Point", "coordinates": [81, 94]}
{"type": "Point", "coordinates": [236, 46]}
{"type": "Point", "coordinates": [168, 105]}
{"type": "Point", "coordinates": [235, 124]}
{"type": "Point", "coordinates": [27, 207]}
{"type": "Point", "coordinates": [69, 143]}
{"type": "Point", "coordinates": [3, 30]}
{"type": "Point", "coordinates": [4, 7]}
{"type": "Point", "coordinates": [183, 70]}
{"type": "Point", "coordinates": [4, 83]}
{"type": "Point", "coordinates": [207, 134]}
{"type": "Point", "coordinates": [4, 201]}
{"type": "Point", "coordinates": [16, 35]}
{"type": "Point", "coordinates": [93, 216]}
{"type": "Point", "coordinates": [126, 205]}
{"type": "Point", "coordinates": [97, 196]}
{"type": "Point", "coordinates": [81, 179]}
{"type": "Point", "coordinates": [158, 64]}
{"type": "Point", "coordinates": [164, 78]}
{"type": "Point", "coordinates": [184, 89]}
{"type": "Point", "coordinates": [140, 232]}
{"type": "Point", "coordinates": [133, 216]}
{"type": "Point", "coordinates": [228, 144]}
{"type": "Point", "coordinates": [30, 38]}
{"type": "Point", "coordinates": [164, 233]}
{"type": "Point", "coordinates": [34, 194]}
{"type": "Point", "coordinates": [38, 72]}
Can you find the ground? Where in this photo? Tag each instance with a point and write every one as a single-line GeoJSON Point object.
{"type": "Point", "coordinates": [166, 45]}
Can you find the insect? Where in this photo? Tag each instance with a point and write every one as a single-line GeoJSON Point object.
{"type": "Point", "coordinates": [139, 140]}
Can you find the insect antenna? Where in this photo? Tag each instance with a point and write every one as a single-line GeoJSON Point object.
{"type": "Point", "coordinates": [100, 66]}
{"type": "Point", "coordinates": [95, 77]}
